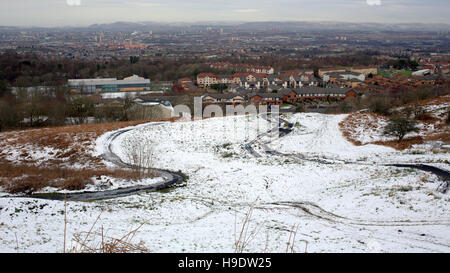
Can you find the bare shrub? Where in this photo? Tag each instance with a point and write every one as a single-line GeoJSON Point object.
{"type": "Point", "coordinates": [26, 185]}
{"type": "Point", "coordinates": [399, 127]}
{"type": "Point", "coordinates": [345, 107]}
{"type": "Point", "coordinates": [139, 153]}
{"type": "Point", "coordinates": [417, 110]}
{"type": "Point", "coordinates": [300, 108]}
{"type": "Point", "coordinates": [76, 183]}
{"type": "Point", "coordinates": [380, 105]}
{"type": "Point", "coordinates": [81, 108]}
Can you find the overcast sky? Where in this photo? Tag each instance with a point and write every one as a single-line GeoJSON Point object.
{"type": "Point", "coordinates": [87, 12]}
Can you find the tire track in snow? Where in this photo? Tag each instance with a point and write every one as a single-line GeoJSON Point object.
{"type": "Point", "coordinates": [316, 212]}
{"type": "Point", "coordinates": [443, 174]}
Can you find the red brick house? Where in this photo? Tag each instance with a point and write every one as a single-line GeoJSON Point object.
{"type": "Point", "coordinates": [266, 98]}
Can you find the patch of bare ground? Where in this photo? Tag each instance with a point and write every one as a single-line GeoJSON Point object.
{"type": "Point", "coordinates": [64, 147]}
{"type": "Point", "coordinates": [361, 128]}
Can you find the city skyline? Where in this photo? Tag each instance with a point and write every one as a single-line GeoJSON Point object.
{"type": "Point", "coordinates": [54, 13]}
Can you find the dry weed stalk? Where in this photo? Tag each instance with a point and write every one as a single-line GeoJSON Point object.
{"type": "Point", "coordinates": [291, 242]}
{"type": "Point", "coordinates": [17, 243]}
{"type": "Point", "coordinates": [290, 245]}
{"type": "Point", "coordinates": [85, 242]}
{"type": "Point", "coordinates": [245, 237]}
{"type": "Point", "coordinates": [65, 221]}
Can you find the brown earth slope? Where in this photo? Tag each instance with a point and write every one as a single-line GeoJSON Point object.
{"type": "Point", "coordinates": [363, 128]}
{"type": "Point", "coordinates": [59, 157]}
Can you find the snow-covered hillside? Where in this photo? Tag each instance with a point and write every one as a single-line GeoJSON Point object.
{"type": "Point", "coordinates": [341, 196]}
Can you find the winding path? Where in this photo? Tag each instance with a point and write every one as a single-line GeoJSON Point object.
{"type": "Point", "coordinates": [287, 128]}
{"type": "Point", "coordinates": [170, 178]}
{"type": "Point", "coordinates": [310, 209]}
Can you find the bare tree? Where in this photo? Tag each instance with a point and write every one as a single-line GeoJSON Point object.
{"type": "Point", "coordinates": [81, 108]}
{"type": "Point", "coordinates": [34, 108]}
{"type": "Point", "coordinates": [9, 115]}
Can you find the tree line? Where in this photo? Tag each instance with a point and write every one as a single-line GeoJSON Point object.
{"type": "Point", "coordinates": [55, 106]}
{"type": "Point", "coordinates": [30, 70]}
{"type": "Point", "coordinates": [24, 70]}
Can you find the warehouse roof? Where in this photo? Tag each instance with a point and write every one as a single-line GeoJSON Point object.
{"type": "Point", "coordinates": [109, 81]}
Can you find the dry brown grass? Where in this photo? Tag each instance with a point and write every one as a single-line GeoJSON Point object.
{"type": "Point", "coordinates": [406, 143]}
{"type": "Point", "coordinates": [74, 145]}
{"type": "Point", "coordinates": [72, 142]}
{"type": "Point", "coordinates": [430, 102]}
{"type": "Point", "coordinates": [354, 120]}
{"type": "Point", "coordinates": [348, 124]}
{"type": "Point", "coordinates": [16, 178]}
{"type": "Point", "coordinates": [369, 121]}
{"type": "Point", "coordinates": [99, 242]}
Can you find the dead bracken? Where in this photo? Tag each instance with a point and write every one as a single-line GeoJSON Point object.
{"type": "Point", "coordinates": [70, 145]}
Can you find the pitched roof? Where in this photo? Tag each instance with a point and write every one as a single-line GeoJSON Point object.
{"type": "Point", "coordinates": [266, 95]}
{"type": "Point", "coordinates": [204, 75]}
{"type": "Point", "coordinates": [318, 90]}
{"type": "Point", "coordinates": [315, 90]}
{"type": "Point", "coordinates": [222, 96]}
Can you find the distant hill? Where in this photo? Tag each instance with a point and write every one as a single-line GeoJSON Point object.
{"type": "Point", "coordinates": [344, 26]}
{"type": "Point", "coordinates": [283, 26]}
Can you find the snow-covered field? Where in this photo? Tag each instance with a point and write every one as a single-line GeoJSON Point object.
{"type": "Point", "coordinates": [353, 204]}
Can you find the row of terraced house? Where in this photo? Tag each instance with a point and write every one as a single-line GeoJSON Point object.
{"type": "Point", "coordinates": [244, 67]}
{"type": "Point", "coordinates": [258, 80]}
{"type": "Point", "coordinates": [282, 96]}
